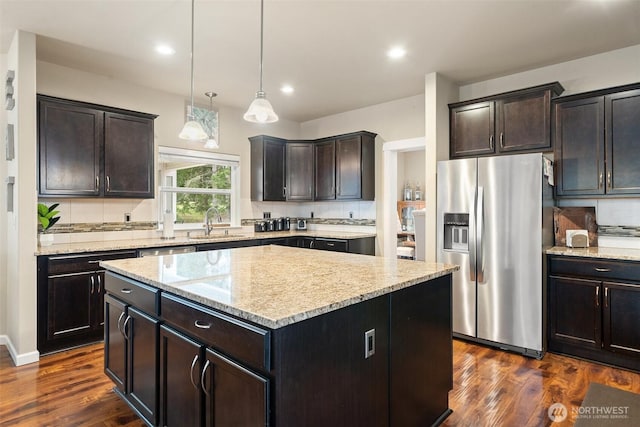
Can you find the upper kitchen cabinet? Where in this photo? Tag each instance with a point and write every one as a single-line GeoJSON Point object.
{"type": "Point", "coordinates": [299, 167]}
{"type": "Point", "coordinates": [517, 121]}
{"type": "Point", "coordinates": [335, 168]}
{"type": "Point", "coordinates": [597, 137]}
{"type": "Point", "coordinates": [325, 170]}
{"type": "Point", "coordinates": [355, 165]}
{"type": "Point", "coordinates": [88, 150]}
{"type": "Point", "coordinates": [268, 172]}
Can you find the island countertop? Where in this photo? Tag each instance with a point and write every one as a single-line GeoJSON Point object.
{"type": "Point", "coordinates": [275, 286]}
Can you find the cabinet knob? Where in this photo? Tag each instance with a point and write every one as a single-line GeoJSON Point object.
{"type": "Point", "coordinates": [202, 325]}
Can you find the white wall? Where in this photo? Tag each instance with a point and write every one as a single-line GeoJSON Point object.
{"type": "Point", "coordinates": [20, 304]}
{"type": "Point", "coordinates": [614, 68]}
{"type": "Point", "coordinates": [3, 216]}
{"type": "Point", "coordinates": [78, 85]}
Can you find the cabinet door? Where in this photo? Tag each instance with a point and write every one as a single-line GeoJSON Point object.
{"type": "Point", "coordinates": [574, 311]}
{"type": "Point", "coordinates": [622, 318]}
{"type": "Point", "coordinates": [180, 389]}
{"type": "Point", "coordinates": [115, 344]}
{"type": "Point", "coordinates": [524, 122]}
{"type": "Point", "coordinates": [325, 170]}
{"type": "Point", "coordinates": [274, 171]}
{"type": "Point", "coordinates": [128, 156]}
{"type": "Point", "coordinates": [623, 142]}
{"type": "Point", "coordinates": [472, 130]}
{"type": "Point", "coordinates": [142, 332]}
{"type": "Point", "coordinates": [579, 147]}
{"type": "Point", "coordinates": [299, 171]}
{"type": "Point", "coordinates": [348, 168]}
{"type": "Point", "coordinates": [234, 395]}
{"type": "Point", "coordinates": [70, 148]}
{"type": "Point", "coordinates": [70, 302]}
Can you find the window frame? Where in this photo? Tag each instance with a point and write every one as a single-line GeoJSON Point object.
{"type": "Point", "coordinates": [199, 157]}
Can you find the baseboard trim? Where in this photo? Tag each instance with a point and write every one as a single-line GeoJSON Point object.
{"type": "Point", "coordinates": [19, 359]}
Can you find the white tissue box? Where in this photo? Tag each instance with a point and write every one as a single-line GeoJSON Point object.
{"type": "Point", "coordinates": [578, 238]}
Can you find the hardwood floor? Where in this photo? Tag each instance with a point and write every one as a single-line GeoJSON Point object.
{"type": "Point", "coordinates": [491, 388]}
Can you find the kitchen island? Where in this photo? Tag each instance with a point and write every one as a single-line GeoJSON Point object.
{"type": "Point", "coordinates": [280, 336]}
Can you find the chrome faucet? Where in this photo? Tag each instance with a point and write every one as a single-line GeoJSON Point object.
{"type": "Point", "coordinates": [207, 222]}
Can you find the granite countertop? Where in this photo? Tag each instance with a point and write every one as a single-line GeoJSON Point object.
{"type": "Point", "coordinates": [275, 286]}
{"type": "Point", "coordinates": [597, 252]}
{"type": "Point", "coordinates": [217, 237]}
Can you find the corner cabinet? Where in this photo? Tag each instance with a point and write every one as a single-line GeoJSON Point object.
{"type": "Point", "coordinates": [594, 309]}
{"type": "Point", "coordinates": [597, 138]}
{"type": "Point", "coordinates": [518, 121]}
{"type": "Point", "coordinates": [89, 150]}
{"type": "Point", "coordinates": [336, 168]}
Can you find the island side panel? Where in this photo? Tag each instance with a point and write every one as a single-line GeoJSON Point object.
{"type": "Point", "coordinates": [321, 375]}
{"type": "Point", "coordinates": [421, 361]}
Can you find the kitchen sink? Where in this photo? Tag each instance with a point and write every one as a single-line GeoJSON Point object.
{"type": "Point", "coordinates": [215, 236]}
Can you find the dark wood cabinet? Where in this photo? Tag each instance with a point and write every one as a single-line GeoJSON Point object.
{"type": "Point", "coordinates": [325, 170]}
{"type": "Point", "coordinates": [181, 359]}
{"type": "Point", "coordinates": [594, 309]}
{"type": "Point", "coordinates": [70, 139]}
{"type": "Point", "coordinates": [511, 122]}
{"type": "Point", "coordinates": [340, 167]}
{"type": "Point", "coordinates": [268, 169]}
{"type": "Point", "coordinates": [621, 318]}
{"type": "Point", "coordinates": [355, 166]}
{"type": "Point", "coordinates": [131, 353]}
{"type": "Point", "coordinates": [596, 137]}
{"type": "Point", "coordinates": [574, 311]}
{"type": "Point", "coordinates": [472, 129]}
{"type": "Point", "coordinates": [128, 156]}
{"type": "Point", "coordinates": [89, 150]}
{"type": "Point", "coordinates": [234, 395]}
{"type": "Point", "coordinates": [70, 299]}
{"type": "Point", "coordinates": [299, 167]}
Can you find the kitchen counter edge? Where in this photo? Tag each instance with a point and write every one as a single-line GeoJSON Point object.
{"type": "Point", "coordinates": [623, 254]}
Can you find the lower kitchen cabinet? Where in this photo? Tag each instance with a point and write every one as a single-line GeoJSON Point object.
{"type": "Point", "coordinates": [594, 309]}
{"type": "Point", "coordinates": [70, 299]}
{"type": "Point", "coordinates": [131, 356]}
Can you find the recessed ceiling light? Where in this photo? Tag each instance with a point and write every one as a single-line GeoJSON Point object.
{"type": "Point", "coordinates": [165, 49]}
{"type": "Point", "coordinates": [288, 89]}
{"type": "Point", "coordinates": [396, 52]}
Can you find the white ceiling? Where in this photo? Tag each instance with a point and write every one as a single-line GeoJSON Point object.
{"type": "Point", "coordinates": [332, 52]}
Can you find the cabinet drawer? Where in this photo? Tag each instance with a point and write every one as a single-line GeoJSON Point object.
{"type": "Point", "coordinates": [589, 267]}
{"type": "Point", "coordinates": [143, 297]}
{"type": "Point", "coordinates": [247, 343]}
{"type": "Point", "coordinates": [65, 264]}
{"type": "Point", "coordinates": [330, 245]}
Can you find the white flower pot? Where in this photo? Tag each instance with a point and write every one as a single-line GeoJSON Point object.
{"type": "Point", "coordinates": [45, 239]}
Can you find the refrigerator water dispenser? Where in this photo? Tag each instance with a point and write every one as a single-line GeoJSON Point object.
{"type": "Point", "coordinates": [456, 232]}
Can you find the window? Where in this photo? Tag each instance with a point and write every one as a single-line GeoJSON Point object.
{"type": "Point", "coordinates": [192, 182]}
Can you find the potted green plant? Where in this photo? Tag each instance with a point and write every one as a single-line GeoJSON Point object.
{"type": "Point", "coordinates": [47, 218]}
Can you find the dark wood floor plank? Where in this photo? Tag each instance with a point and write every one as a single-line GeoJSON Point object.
{"type": "Point", "coordinates": [491, 388]}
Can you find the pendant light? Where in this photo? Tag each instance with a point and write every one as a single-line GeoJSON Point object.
{"type": "Point", "coordinates": [260, 110]}
{"type": "Point", "coordinates": [211, 141]}
{"type": "Point", "coordinates": [192, 129]}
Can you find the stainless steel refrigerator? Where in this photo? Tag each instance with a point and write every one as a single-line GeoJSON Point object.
{"type": "Point", "coordinates": [494, 219]}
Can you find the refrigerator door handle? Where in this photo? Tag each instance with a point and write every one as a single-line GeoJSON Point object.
{"type": "Point", "coordinates": [480, 234]}
{"type": "Point", "coordinates": [472, 237]}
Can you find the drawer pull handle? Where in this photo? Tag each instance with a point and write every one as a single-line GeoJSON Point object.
{"type": "Point", "coordinates": [202, 325]}
{"type": "Point", "coordinates": [124, 328]}
{"type": "Point", "coordinates": [606, 296]}
{"type": "Point", "coordinates": [331, 244]}
{"type": "Point", "coordinates": [93, 262]}
{"type": "Point", "coordinates": [120, 320]}
{"type": "Point", "coordinates": [193, 364]}
{"type": "Point", "coordinates": [597, 296]}
{"type": "Point", "coordinates": [602, 270]}
{"type": "Point", "coordinates": [203, 378]}
{"type": "Point", "coordinates": [125, 291]}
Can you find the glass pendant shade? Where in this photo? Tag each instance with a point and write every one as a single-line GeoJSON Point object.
{"type": "Point", "coordinates": [260, 110]}
{"type": "Point", "coordinates": [193, 131]}
{"type": "Point", "coordinates": [211, 143]}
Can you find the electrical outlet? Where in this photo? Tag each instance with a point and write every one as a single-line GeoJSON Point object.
{"type": "Point", "coordinates": [369, 343]}
{"type": "Point", "coordinates": [127, 217]}
{"type": "Point", "coordinates": [351, 215]}
{"type": "Point", "coordinates": [311, 214]}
